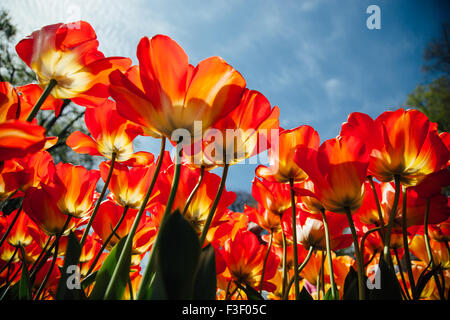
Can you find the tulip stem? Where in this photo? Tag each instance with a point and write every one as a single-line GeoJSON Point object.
{"type": "Point", "coordinates": [55, 255]}
{"type": "Point", "coordinates": [387, 239]}
{"type": "Point", "coordinates": [41, 100]}
{"type": "Point", "coordinates": [285, 293]}
{"type": "Point", "coordinates": [406, 246]}
{"type": "Point", "coordinates": [129, 240]}
{"type": "Point", "coordinates": [100, 199]}
{"type": "Point", "coordinates": [364, 237]}
{"type": "Point", "coordinates": [294, 238]}
{"type": "Point", "coordinates": [105, 243]}
{"type": "Point", "coordinates": [265, 261]}
{"type": "Point", "coordinates": [299, 270]}
{"type": "Point", "coordinates": [377, 202]}
{"type": "Point", "coordinates": [428, 247]}
{"type": "Point", "coordinates": [215, 204]}
{"type": "Point", "coordinates": [359, 262]}
{"type": "Point", "coordinates": [194, 191]}
{"type": "Point", "coordinates": [330, 261]}
{"type": "Point", "coordinates": [43, 251]}
{"type": "Point", "coordinates": [11, 225]}
{"type": "Point", "coordinates": [406, 295]}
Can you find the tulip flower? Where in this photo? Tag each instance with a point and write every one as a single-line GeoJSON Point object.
{"type": "Point", "coordinates": [200, 207]}
{"type": "Point", "coordinates": [67, 58]}
{"type": "Point", "coordinates": [167, 93]}
{"type": "Point", "coordinates": [282, 165]}
{"type": "Point", "coordinates": [311, 232]}
{"type": "Point", "coordinates": [18, 138]}
{"type": "Point", "coordinates": [128, 186]}
{"type": "Point", "coordinates": [111, 138]}
{"type": "Point", "coordinates": [41, 206]}
{"type": "Point", "coordinates": [401, 143]}
{"type": "Point", "coordinates": [271, 196]}
{"type": "Point", "coordinates": [20, 233]}
{"type": "Point", "coordinates": [439, 250]}
{"type": "Point", "coordinates": [73, 189]}
{"type": "Point", "coordinates": [244, 257]}
{"type": "Point", "coordinates": [247, 130]}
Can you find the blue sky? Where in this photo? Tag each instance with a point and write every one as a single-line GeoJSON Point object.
{"type": "Point", "coordinates": [315, 59]}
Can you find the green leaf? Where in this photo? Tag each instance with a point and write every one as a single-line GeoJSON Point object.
{"type": "Point", "coordinates": [178, 256]}
{"type": "Point", "coordinates": [351, 285]}
{"type": "Point", "coordinates": [389, 288]}
{"type": "Point", "coordinates": [25, 283]}
{"type": "Point", "coordinates": [106, 271]}
{"type": "Point", "coordinates": [206, 280]}
{"type": "Point", "coordinates": [251, 293]}
{"type": "Point", "coordinates": [157, 290]}
{"type": "Point", "coordinates": [71, 258]}
{"type": "Point", "coordinates": [304, 295]}
{"type": "Point", "coordinates": [88, 280]}
{"type": "Point", "coordinates": [328, 295]}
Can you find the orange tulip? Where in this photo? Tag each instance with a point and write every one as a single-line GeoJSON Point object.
{"type": "Point", "coordinates": [272, 196]}
{"type": "Point", "coordinates": [338, 170]}
{"type": "Point", "coordinates": [129, 186]}
{"type": "Point", "coordinates": [282, 165]}
{"type": "Point", "coordinates": [107, 218]}
{"type": "Point", "coordinates": [244, 257]}
{"type": "Point", "coordinates": [20, 174]}
{"type": "Point", "coordinates": [400, 143]}
{"type": "Point", "coordinates": [20, 233]}
{"type": "Point", "coordinates": [311, 231]}
{"type": "Point", "coordinates": [168, 93]}
{"type": "Point", "coordinates": [18, 138]}
{"type": "Point", "coordinates": [439, 210]}
{"type": "Point", "coordinates": [67, 53]}
{"type": "Point", "coordinates": [201, 204]}
{"type": "Point", "coordinates": [112, 136]}
{"type": "Point", "coordinates": [438, 249]}
{"type": "Point", "coordinates": [247, 130]}
{"type": "Point", "coordinates": [73, 189]}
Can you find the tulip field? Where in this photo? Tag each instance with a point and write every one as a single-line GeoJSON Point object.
{"type": "Point", "coordinates": [362, 216]}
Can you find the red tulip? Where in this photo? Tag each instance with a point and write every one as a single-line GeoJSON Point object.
{"type": "Point", "coordinates": [167, 93]}
{"type": "Point", "coordinates": [112, 136]}
{"type": "Point", "coordinates": [400, 143]}
{"type": "Point", "coordinates": [70, 56]}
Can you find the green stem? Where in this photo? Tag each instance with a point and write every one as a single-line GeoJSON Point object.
{"type": "Point", "coordinates": [41, 100]}
{"type": "Point", "coordinates": [11, 225]}
{"type": "Point", "coordinates": [406, 295]}
{"type": "Point", "coordinates": [406, 246]}
{"type": "Point", "coordinates": [194, 191]}
{"type": "Point", "coordinates": [294, 238]}
{"type": "Point", "coordinates": [377, 202]}
{"type": "Point", "coordinates": [215, 204]}
{"type": "Point", "coordinates": [44, 249]}
{"type": "Point", "coordinates": [285, 271]}
{"type": "Point", "coordinates": [265, 262]}
{"type": "Point", "coordinates": [99, 201]}
{"type": "Point", "coordinates": [105, 243]}
{"type": "Point", "coordinates": [364, 237]}
{"type": "Point", "coordinates": [387, 239]}
{"type": "Point", "coordinates": [300, 269]}
{"type": "Point", "coordinates": [129, 240]}
{"type": "Point", "coordinates": [130, 289]}
{"type": "Point", "coordinates": [330, 261]}
{"type": "Point", "coordinates": [359, 262]}
{"type": "Point", "coordinates": [55, 255]}
{"type": "Point", "coordinates": [428, 247]}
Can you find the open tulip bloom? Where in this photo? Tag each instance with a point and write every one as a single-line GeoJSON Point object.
{"type": "Point", "coordinates": [359, 216]}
